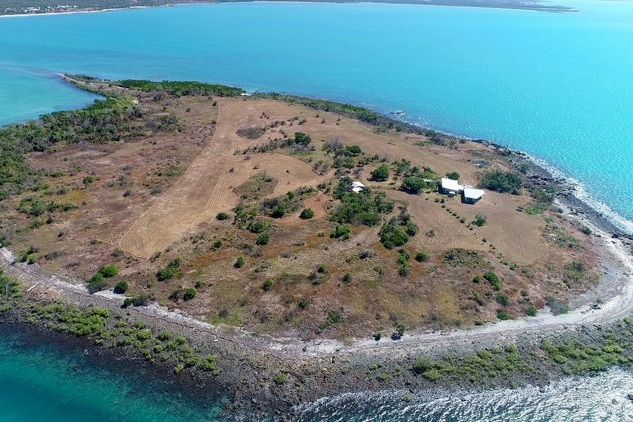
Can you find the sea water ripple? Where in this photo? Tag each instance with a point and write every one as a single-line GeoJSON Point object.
{"type": "Point", "coordinates": [599, 398]}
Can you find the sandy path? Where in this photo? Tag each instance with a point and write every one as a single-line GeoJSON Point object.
{"type": "Point", "coordinates": [204, 190]}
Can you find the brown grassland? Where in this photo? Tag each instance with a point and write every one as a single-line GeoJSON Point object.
{"type": "Point", "coordinates": [156, 198]}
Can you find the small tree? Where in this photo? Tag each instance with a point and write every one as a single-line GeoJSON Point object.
{"type": "Point", "coordinates": [480, 220]}
{"type": "Point", "coordinates": [190, 293]}
{"type": "Point", "coordinates": [381, 173]}
{"type": "Point", "coordinates": [307, 214]}
{"type": "Point", "coordinates": [109, 271]}
{"type": "Point", "coordinates": [302, 138]}
{"type": "Point", "coordinates": [413, 184]}
{"type": "Point", "coordinates": [268, 284]}
{"type": "Point", "coordinates": [96, 283]}
{"type": "Point", "coordinates": [262, 239]}
{"type": "Point", "coordinates": [421, 257]}
{"type": "Point", "coordinates": [121, 287]}
{"type": "Point", "coordinates": [452, 175]}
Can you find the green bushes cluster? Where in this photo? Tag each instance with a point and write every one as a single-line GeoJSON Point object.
{"type": "Point", "coordinates": [98, 282]}
{"type": "Point", "coordinates": [483, 365]}
{"type": "Point", "coordinates": [493, 279]}
{"type": "Point", "coordinates": [381, 173]}
{"type": "Point", "coordinates": [99, 324]}
{"type": "Point", "coordinates": [341, 232]}
{"type": "Point", "coordinates": [501, 181]}
{"type": "Point", "coordinates": [306, 214]}
{"type": "Point", "coordinates": [121, 287]}
{"type": "Point", "coordinates": [182, 88]}
{"type": "Point", "coordinates": [397, 230]}
{"type": "Point", "coordinates": [291, 202]}
{"type": "Point", "coordinates": [170, 271]}
{"type": "Point", "coordinates": [141, 299]}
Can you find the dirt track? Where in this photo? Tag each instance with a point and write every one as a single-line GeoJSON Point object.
{"type": "Point", "coordinates": [206, 188]}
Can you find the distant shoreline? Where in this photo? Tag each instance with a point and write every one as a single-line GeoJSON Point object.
{"type": "Point", "coordinates": [59, 9]}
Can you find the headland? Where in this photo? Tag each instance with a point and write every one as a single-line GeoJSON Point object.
{"type": "Point", "coordinates": [129, 232]}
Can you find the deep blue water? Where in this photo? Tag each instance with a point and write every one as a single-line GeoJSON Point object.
{"type": "Point", "coordinates": [557, 86]}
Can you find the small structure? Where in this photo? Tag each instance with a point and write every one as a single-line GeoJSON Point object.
{"type": "Point", "coordinates": [471, 195]}
{"type": "Point", "coordinates": [450, 187]}
{"type": "Point", "coordinates": [357, 187]}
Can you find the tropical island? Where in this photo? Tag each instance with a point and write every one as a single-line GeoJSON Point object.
{"type": "Point", "coordinates": [285, 248]}
{"type": "Point", "coordinates": [37, 7]}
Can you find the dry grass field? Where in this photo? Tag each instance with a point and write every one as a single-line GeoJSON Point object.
{"type": "Point", "coordinates": [155, 200]}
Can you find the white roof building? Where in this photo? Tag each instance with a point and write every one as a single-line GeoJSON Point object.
{"type": "Point", "coordinates": [471, 195]}
{"type": "Point", "coordinates": [451, 186]}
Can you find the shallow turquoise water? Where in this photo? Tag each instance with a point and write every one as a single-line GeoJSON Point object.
{"type": "Point", "coordinates": [52, 381]}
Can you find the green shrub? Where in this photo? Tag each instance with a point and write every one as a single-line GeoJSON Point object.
{"type": "Point", "coordinates": [306, 214]}
{"type": "Point", "coordinates": [341, 232]}
{"type": "Point", "coordinates": [347, 278]}
{"type": "Point", "coordinates": [109, 271]}
{"type": "Point", "coordinates": [353, 150]}
{"type": "Point", "coordinates": [262, 239]}
{"type": "Point", "coordinates": [404, 270]}
{"type": "Point", "coordinates": [170, 271]}
{"type": "Point", "coordinates": [239, 262]}
{"type": "Point", "coordinates": [257, 226]}
{"type": "Point", "coordinates": [221, 216]}
{"type": "Point", "coordinates": [334, 317]}
{"type": "Point", "coordinates": [190, 293]}
{"type": "Point", "coordinates": [381, 173]}
{"type": "Point", "coordinates": [503, 299]}
{"type": "Point", "coordinates": [493, 279]}
{"type": "Point", "coordinates": [121, 287]}
{"type": "Point", "coordinates": [414, 184]}
{"type": "Point", "coordinates": [141, 299]}
{"type": "Point", "coordinates": [531, 311]}
{"type": "Point", "coordinates": [421, 257]}
{"type": "Point", "coordinates": [302, 138]}
{"type": "Point", "coordinates": [164, 335]}
{"type": "Point", "coordinates": [501, 181]}
{"type": "Point", "coordinates": [268, 284]}
{"type": "Point", "coordinates": [453, 175]}
{"type": "Point", "coordinates": [480, 220]}
{"type": "Point", "coordinates": [96, 283]}
{"type": "Point", "coordinates": [302, 303]}
{"type": "Point", "coordinates": [392, 234]}
{"type": "Point", "coordinates": [280, 379]}
{"type": "Point", "coordinates": [503, 315]}
{"type": "Point", "coordinates": [209, 363]}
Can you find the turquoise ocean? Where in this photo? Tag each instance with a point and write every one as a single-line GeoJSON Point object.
{"type": "Point", "coordinates": [555, 85]}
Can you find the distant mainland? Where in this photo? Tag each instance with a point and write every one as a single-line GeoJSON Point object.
{"type": "Point", "coordinates": [37, 7]}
